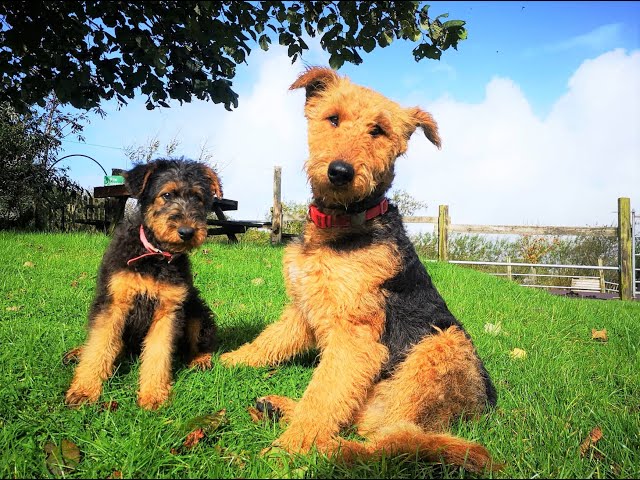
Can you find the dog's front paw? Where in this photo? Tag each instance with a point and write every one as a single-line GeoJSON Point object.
{"type": "Point", "coordinates": [153, 399]}
{"type": "Point", "coordinates": [237, 357]}
{"type": "Point", "coordinates": [276, 407]}
{"type": "Point", "coordinates": [201, 362]}
{"type": "Point", "coordinates": [79, 394]}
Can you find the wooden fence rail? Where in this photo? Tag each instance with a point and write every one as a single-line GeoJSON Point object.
{"type": "Point", "coordinates": [443, 221]}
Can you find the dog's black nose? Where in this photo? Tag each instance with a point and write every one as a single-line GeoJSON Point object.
{"type": "Point", "coordinates": [340, 173]}
{"type": "Point", "coordinates": [186, 233]}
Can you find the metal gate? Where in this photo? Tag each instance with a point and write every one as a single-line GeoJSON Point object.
{"type": "Point", "coordinates": [635, 255]}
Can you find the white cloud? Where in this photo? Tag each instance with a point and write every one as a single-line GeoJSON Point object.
{"type": "Point", "coordinates": [501, 164]}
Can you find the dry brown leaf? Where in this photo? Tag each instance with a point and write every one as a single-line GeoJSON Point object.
{"type": "Point", "coordinates": [600, 335]}
{"type": "Point", "coordinates": [518, 353]}
{"type": "Point", "coordinates": [110, 406]}
{"type": "Point", "coordinates": [74, 284]}
{"type": "Point", "coordinates": [594, 437]}
{"type": "Point", "coordinates": [116, 474]}
{"type": "Point", "coordinates": [194, 438]}
{"type": "Point", "coordinates": [28, 264]}
{"type": "Point", "coordinates": [255, 414]}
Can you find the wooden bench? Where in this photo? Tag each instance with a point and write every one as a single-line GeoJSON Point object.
{"type": "Point", "coordinates": [219, 205]}
{"type": "Point", "coordinates": [585, 284]}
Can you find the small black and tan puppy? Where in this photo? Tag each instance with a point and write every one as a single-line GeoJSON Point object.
{"type": "Point", "coordinates": [145, 300]}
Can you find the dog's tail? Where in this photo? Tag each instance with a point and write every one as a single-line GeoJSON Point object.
{"type": "Point", "coordinates": [411, 439]}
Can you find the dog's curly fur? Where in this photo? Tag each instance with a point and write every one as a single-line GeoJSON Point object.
{"type": "Point", "coordinates": [393, 359]}
{"type": "Point", "coordinates": [149, 306]}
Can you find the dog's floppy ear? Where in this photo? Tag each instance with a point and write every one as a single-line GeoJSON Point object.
{"type": "Point", "coordinates": [136, 179]}
{"type": "Point", "coordinates": [214, 181]}
{"type": "Point", "coordinates": [315, 79]}
{"type": "Point", "coordinates": [424, 120]}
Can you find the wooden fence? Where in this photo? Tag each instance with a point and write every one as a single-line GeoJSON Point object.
{"type": "Point", "coordinates": [623, 232]}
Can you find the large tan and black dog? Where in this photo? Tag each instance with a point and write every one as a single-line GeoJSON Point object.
{"type": "Point", "coordinates": [393, 360]}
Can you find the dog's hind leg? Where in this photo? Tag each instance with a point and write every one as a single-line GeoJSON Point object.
{"type": "Point", "coordinates": [277, 343]}
{"type": "Point", "coordinates": [439, 380]}
{"type": "Point", "coordinates": [200, 331]}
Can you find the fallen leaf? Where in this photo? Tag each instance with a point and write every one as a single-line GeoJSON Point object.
{"type": "Point", "coordinates": [74, 284]}
{"type": "Point", "coordinates": [62, 458]}
{"type": "Point", "coordinates": [70, 453]}
{"type": "Point", "coordinates": [14, 308]}
{"type": "Point", "coordinates": [493, 329]}
{"type": "Point", "coordinates": [82, 276]}
{"type": "Point", "coordinates": [116, 474]}
{"type": "Point", "coordinates": [28, 264]}
{"type": "Point", "coordinates": [588, 443]}
{"type": "Point", "coordinates": [204, 426]}
{"type": "Point", "coordinates": [110, 406]}
{"type": "Point", "coordinates": [255, 414]}
{"type": "Point", "coordinates": [174, 451]}
{"type": "Point", "coordinates": [205, 251]}
{"type": "Point", "coordinates": [257, 281]}
{"type": "Point", "coordinates": [518, 353]}
{"type": "Point", "coordinates": [194, 438]}
{"type": "Point", "coordinates": [600, 335]}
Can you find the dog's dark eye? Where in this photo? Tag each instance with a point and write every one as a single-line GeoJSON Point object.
{"type": "Point", "coordinates": [376, 131]}
{"type": "Point", "coordinates": [334, 120]}
{"type": "Point", "coordinates": [167, 196]}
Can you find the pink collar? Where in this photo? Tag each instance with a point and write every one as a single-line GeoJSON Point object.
{"type": "Point", "coordinates": [151, 250]}
{"type": "Point", "coordinates": [322, 220]}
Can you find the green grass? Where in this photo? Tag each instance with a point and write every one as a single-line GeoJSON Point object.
{"type": "Point", "coordinates": [548, 401]}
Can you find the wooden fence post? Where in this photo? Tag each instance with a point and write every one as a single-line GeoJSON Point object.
{"type": "Point", "coordinates": [509, 274]}
{"type": "Point", "coordinates": [276, 213]}
{"type": "Point", "coordinates": [625, 252]}
{"type": "Point", "coordinates": [443, 232]}
{"type": "Point", "coordinates": [601, 275]}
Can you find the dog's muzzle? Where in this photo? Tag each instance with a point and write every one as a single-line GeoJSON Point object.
{"type": "Point", "coordinates": [340, 173]}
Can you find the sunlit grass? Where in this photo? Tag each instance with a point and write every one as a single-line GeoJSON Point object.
{"type": "Point", "coordinates": [548, 401]}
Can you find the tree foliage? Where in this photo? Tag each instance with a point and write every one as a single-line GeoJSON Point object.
{"type": "Point", "coordinates": [89, 51]}
{"type": "Point", "coordinates": [30, 183]}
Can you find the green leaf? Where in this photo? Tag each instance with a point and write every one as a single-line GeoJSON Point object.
{"type": "Point", "coordinates": [453, 23]}
{"type": "Point", "coordinates": [336, 61]}
{"type": "Point", "coordinates": [368, 44]}
{"type": "Point", "coordinates": [263, 41]}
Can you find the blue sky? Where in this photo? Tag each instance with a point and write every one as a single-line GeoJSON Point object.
{"type": "Point", "coordinates": [539, 110]}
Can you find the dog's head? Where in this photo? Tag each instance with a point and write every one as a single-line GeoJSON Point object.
{"type": "Point", "coordinates": [174, 198]}
{"type": "Point", "coordinates": [355, 135]}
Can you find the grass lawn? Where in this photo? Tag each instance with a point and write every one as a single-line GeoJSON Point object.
{"type": "Point", "coordinates": [548, 403]}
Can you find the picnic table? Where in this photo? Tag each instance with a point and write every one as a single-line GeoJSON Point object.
{"type": "Point", "coordinates": [220, 225]}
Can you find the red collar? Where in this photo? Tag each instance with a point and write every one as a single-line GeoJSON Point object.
{"type": "Point", "coordinates": [151, 250]}
{"type": "Point", "coordinates": [322, 220]}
